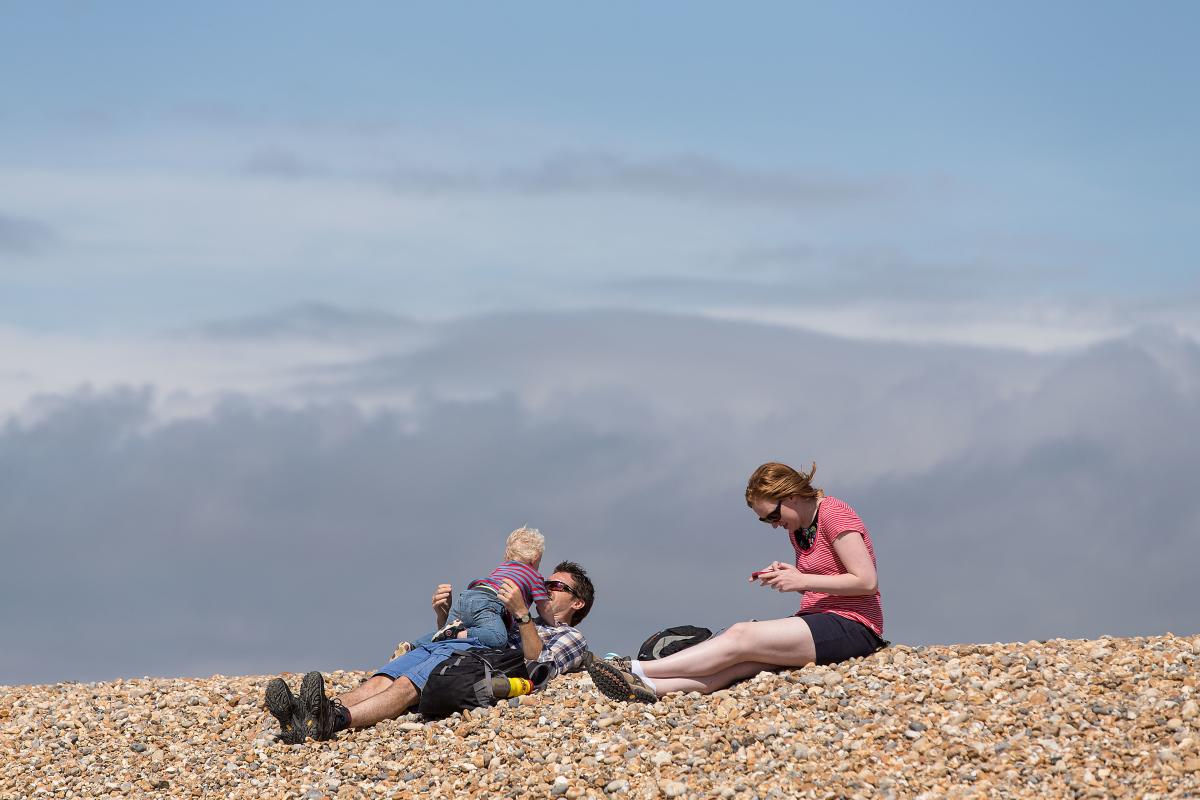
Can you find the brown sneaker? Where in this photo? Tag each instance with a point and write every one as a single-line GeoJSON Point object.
{"type": "Point", "coordinates": [617, 684]}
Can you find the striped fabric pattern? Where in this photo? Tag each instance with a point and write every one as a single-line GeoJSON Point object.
{"type": "Point", "coordinates": [563, 645]}
{"type": "Point", "coordinates": [527, 579]}
{"type": "Point", "coordinates": [834, 519]}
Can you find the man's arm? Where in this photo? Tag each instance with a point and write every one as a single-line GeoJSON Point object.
{"type": "Point", "coordinates": [441, 604]}
{"type": "Point", "coordinates": [514, 601]}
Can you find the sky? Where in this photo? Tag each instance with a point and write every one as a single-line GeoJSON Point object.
{"type": "Point", "coordinates": [304, 309]}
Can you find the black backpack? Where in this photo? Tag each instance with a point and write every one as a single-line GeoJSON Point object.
{"type": "Point", "coordinates": [672, 640]}
{"type": "Point", "coordinates": [464, 680]}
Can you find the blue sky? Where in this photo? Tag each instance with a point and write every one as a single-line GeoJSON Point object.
{"type": "Point", "coordinates": [1039, 154]}
{"type": "Point", "coordinates": [270, 276]}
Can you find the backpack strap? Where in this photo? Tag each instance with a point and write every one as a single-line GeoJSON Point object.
{"type": "Point", "coordinates": [484, 695]}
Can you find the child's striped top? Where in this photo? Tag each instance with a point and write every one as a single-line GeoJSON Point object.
{"type": "Point", "coordinates": [527, 579]}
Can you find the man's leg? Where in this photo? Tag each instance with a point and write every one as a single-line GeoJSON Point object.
{"type": "Point", "coordinates": [397, 697]}
{"type": "Point", "coordinates": [368, 688]}
{"type": "Point", "coordinates": [380, 697]}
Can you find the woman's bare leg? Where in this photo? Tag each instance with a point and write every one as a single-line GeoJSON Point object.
{"type": "Point", "coordinates": [711, 683]}
{"type": "Point", "coordinates": [779, 642]}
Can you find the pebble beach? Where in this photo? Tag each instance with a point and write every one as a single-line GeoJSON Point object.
{"type": "Point", "coordinates": [1111, 717]}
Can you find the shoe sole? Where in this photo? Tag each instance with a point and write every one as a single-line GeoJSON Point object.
{"type": "Point", "coordinates": [449, 631]}
{"type": "Point", "coordinates": [312, 701]}
{"type": "Point", "coordinates": [613, 684]}
{"type": "Point", "coordinates": [282, 705]}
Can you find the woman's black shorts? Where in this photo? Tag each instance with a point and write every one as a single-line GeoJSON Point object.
{"type": "Point", "coordinates": [838, 638]}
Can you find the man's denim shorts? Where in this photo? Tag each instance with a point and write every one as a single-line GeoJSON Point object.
{"type": "Point", "coordinates": [418, 663]}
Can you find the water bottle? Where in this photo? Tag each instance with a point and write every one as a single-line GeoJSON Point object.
{"type": "Point", "coordinates": [510, 687]}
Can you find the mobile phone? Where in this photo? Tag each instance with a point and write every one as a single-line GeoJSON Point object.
{"type": "Point", "coordinates": [754, 575]}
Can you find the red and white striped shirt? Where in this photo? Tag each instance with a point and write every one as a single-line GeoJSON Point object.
{"type": "Point", "coordinates": [527, 579]}
{"type": "Point", "coordinates": [834, 519]}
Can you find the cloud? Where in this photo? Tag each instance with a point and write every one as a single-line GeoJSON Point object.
{"type": "Point", "coordinates": [280, 163]}
{"type": "Point", "coordinates": [776, 274]}
{"type": "Point", "coordinates": [454, 231]}
{"type": "Point", "coordinates": [884, 293]}
{"type": "Point", "coordinates": [1009, 495]}
{"type": "Point", "coordinates": [308, 321]}
{"type": "Point", "coordinates": [678, 178]}
{"type": "Point", "coordinates": [21, 236]}
{"type": "Point", "coordinates": [231, 538]}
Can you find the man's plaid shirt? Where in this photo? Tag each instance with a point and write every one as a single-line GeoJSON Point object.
{"type": "Point", "coordinates": [562, 645]}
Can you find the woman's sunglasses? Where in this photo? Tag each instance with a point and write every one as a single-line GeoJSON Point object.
{"type": "Point", "coordinates": [559, 586]}
{"type": "Point", "coordinates": [774, 516]}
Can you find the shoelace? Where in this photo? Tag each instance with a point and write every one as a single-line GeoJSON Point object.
{"type": "Point", "coordinates": [328, 723]}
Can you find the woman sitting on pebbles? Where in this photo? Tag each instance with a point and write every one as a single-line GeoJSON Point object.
{"type": "Point", "coordinates": [840, 616]}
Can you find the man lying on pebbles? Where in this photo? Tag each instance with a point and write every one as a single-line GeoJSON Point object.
{"type": "Point", "coordinates": [396, 686]}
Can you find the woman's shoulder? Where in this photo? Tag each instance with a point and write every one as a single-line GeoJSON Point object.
{"type": "Point", "coordinates": [839, 512]}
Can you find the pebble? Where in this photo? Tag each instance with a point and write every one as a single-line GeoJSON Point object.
{"type": "Point", "coordinates": [1086, 718]}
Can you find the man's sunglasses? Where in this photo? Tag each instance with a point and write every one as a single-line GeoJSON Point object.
{"type": "Point", "coordinates": [559, 586]}
{"type": "Point", "coordinates": [774, 516]}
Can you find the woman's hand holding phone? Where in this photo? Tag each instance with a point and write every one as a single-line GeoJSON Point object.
{"type": "Point", "coordinates": [758, 575]}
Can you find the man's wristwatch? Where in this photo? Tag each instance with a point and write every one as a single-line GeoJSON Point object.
{"type": "Point", "coordinates": [521, 620]}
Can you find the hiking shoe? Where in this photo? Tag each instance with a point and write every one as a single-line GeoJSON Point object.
{"type": "Point", "coordinates": [620, 662]}
{"type": "Point", "coordinates": [401, 649]}
{"type": "Point", "coordinates": [284, 708]}
{"type": "Point", "coordinates": [321, 717]}
{"type": "Point", "coordinates": [450, 631]}
{"type": "Point", "coordinates": [617, 684]}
